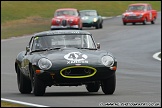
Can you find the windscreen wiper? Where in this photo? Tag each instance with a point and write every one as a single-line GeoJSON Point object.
{"type": "Point", "coordinates": [86, 48]}
{"type": "Point", "coordinates": [55, 48]}
{"type": "Point", "coordinates": [45, 49]}
{"type": "Point", "coordinates": [38, 50]}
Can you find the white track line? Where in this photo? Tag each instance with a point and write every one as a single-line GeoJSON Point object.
{"type": "Point", "coordinates": [156, 56]}
{"type": "Point", "coordinates": [23, 103]}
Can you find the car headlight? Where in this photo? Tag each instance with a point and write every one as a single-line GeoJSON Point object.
{"type": "Point", "coordinates": [107, 61]}
{"type": "Point", "coordinates": [140, 15]}
{"type": "Point", "coordinates": [57, 21]}
{"type": "Point", "coordinates": [123, 16]}
{"type": "Point", "coordinates": [95, 19]}
{"type": "Point", "coordinates": [44, 64]}
{"type": "Point", "coordinates": [71, 20]}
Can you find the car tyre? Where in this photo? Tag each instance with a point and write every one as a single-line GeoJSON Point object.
{"type": "Point", "coordinates": [134, 23]}
{"type": "Point", "coordinates": [124, 23]}
{"type": "Point", "coordinates": [101, 26]}
{"type": "Point", "coordinates": [39, 86]}
{"type": "Point", "coordinates": [93, 87]}
{"type": "Point", "coordinates": [153, 21]}
{"type": "Point", "coordinates": [97, 26]}
{"type": "Point", "coordinates": [145, 21]}
{"type": "Point", "coordinates": [108, 85]}
{"type": "Point", "coordinates": [24, 84]}
{"type": "Point", "coordinates": [80, 28]}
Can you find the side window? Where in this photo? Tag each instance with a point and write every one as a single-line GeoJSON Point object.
{"type": "Point", "coordinates": [91, 42]}
{"type": "Point", "coordinates": [150, 7]}
{"type": "Point", "coordinates": [30, 42]}
{"type": "Point", "coordinates": [78, 13]}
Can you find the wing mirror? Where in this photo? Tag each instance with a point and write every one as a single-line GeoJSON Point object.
{"type": "Point", "coordinates": [98, 45]}
{"type": "Point", "coordinates": [27, 49]}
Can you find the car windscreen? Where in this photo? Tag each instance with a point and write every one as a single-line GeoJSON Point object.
{"type": "Point", "coordinates": [88, 13]}
{"type": "Point", "coordinates": [63, 41]}
{"type": "Point", "coordinates": [66, 12]}
{"type": "Point", "coordinates": [136, 8]}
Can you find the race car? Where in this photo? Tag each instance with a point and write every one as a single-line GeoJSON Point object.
{"type": "Point", "coordinates": [66, 18]}
{"type": "Point", "coordinates": [139, 13]}
{"type": "Point", "coordinates": [65, 58]}
{"type": "Point", "coordinates": [91, 18]}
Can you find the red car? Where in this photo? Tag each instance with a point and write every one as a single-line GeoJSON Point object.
{"type": "Point", "coordinates": [139, 13]}
{"type": "Point", "coordinates": [66, 18]}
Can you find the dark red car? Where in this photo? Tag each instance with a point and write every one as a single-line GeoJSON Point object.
{"type": "Point", "coordinates": [139, 13]}
{"type": "Point", "coordinates": [66, 18]}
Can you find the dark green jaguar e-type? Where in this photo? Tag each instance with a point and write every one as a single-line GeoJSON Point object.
{"type": "Point", "coordinates": [91, 18]}
{"type": "Point", "coordinates": [65, 58]}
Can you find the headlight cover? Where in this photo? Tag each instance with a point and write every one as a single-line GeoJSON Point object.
{"type": "Point", "coordinates": [44, 64]}
{"type": "Point", "coordinates": [95, 19]}
{"type": "Point", "coordinates": [108, 61]}
{"type": "Point", "coordinates": [123, 15]}
{"type": "Point", "coordinates": [71, 20]}
{"type": "Point", "coordinates": [57, 21]}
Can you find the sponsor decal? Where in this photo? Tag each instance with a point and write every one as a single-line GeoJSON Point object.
{"type": "Point", "coordinates": [76, 57]}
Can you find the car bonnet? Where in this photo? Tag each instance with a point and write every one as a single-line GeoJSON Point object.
{"type": "Point", "coordinates": [74, 56]}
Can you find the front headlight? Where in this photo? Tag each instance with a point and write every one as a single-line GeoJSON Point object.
{"type": "Point", "coordinates": [141, 15]}
{"type": "Point", "coordinates": [123, 16]}
{"type": "Point", "coordinates": [95, 19]}
{"type": "Point", "coordinates": [44, 64]}
{"type": "Point", "coordinates": [107, 61]}
{"type": "Point", "coordinates": [57, 21]}
{"type": "Point", "coordinates": [71, 20]}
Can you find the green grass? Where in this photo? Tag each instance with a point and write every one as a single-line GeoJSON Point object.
{"type": "Point", "coordinates": [8, 104]}
{"type": "Point", "coordinates": [26, 17]}
{"type": "Point", "coordinates": [24, 27]}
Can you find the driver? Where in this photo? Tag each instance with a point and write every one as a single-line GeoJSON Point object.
{"type": "Point", "coordinates": [42, 43]}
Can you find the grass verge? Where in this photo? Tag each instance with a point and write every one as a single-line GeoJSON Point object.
{"type": "Point", "coordinates": [8, 104]}
{"type": "Point", "coordinates": [24, 26]}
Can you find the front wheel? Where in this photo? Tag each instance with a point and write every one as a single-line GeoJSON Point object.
{"type": "Point", "coordinates": [124, 23]}
{"type": "Point", "coordinates": [24, 84]}
{"type": "Point", "coordinates": [93, 87]}
{"type": "Point", "coordinates": [153, 21]}
{"type": "Point", "coordinates": [39, 86]}
{"type": "Point", "coordinates": [145, 21]}
{"type": "Point", "coordinates": [108, 85]}
{"type": "Point", "coordinates": [101, 26]}
{"type": "Point", "coordinates": [134, 23]}
{"type": "Point", "coordinates": [97, 26]}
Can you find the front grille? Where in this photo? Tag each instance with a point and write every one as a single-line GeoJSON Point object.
{"type": "Point", "coordinates": [64, 22]}
{"type": "Point", "coordinates": [132, 17]}
{"type": "Point", "coordinates": [78, 72]}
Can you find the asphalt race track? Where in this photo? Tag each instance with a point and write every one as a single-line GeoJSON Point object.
{"type": "Point", "coordinates": [138, 73]}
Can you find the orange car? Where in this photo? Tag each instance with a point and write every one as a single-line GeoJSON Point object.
{"type": "Point", "coordinates": [66, 18]}
{"type": "Point", "coordinates": [139, 13]}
